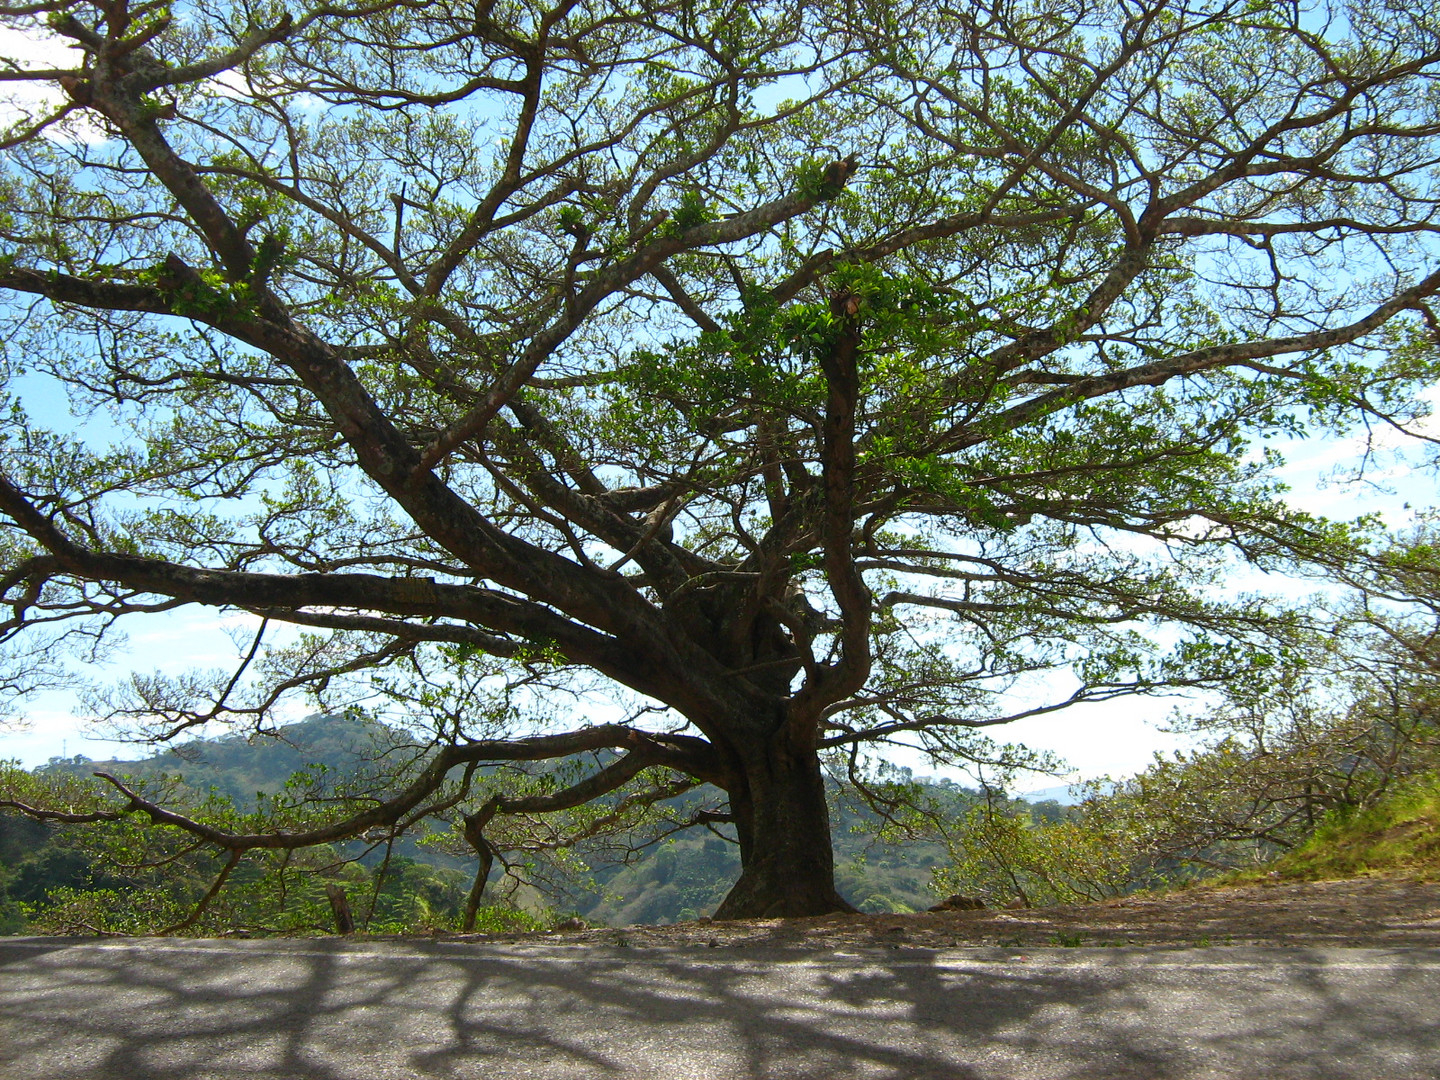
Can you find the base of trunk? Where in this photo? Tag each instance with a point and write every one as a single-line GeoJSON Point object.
{"type": "Point", "coordinates": [755, 896]}
{"type": "Point", "coordinates": [782, 823]}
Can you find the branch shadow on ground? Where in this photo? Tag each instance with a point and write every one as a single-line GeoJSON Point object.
{"type": "Point", "coordinates": [325, 1009]}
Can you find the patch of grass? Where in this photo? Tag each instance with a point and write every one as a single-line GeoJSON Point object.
{"type": "Point", "coordinates": [1400, 835]}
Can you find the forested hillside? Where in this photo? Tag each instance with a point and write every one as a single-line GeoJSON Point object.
{"type": "Point", "coordinates": [239, 767]}
{"type": "Point", "coordinates": [679, 877]}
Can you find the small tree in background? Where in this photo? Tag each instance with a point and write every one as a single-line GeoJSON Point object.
{"type": "Point", "coordinates": [1326, 729]}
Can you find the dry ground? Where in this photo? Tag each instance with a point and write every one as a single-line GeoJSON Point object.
{"type": "Point", "coordinates": [1375, 911]}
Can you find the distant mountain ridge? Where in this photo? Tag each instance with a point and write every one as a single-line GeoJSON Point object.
{"type": "Point", "coordinates": [240, 766]}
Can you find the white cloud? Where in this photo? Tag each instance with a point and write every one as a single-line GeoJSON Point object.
{"type": "Point", "coordinates": [39, 50]}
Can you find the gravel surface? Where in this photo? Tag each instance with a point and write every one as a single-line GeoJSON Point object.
{"type": "Point", "coordinates": [1364, 911]}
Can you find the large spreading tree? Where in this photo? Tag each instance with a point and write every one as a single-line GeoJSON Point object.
{"type": "Point", "coordinates": [807, 374]}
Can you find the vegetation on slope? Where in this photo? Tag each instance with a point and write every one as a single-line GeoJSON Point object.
{"type": "Point", "coordinates": [1399, 836]}
{"type": "Point", "coordinates": [122, 876]}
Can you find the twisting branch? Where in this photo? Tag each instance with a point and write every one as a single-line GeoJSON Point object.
{"type": "Point", "coordinates": [205, 901]}
{"type": "Point", "coordinates": [840, 364]}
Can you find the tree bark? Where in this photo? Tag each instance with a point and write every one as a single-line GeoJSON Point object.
{"type": "Point", "coordinates": [340, 906]}
{"type": "Point", "coordinates": [783, 821]}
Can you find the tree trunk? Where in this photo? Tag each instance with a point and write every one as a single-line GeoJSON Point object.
{"type": "Point", "coordinates": [787, 863]}
{"type": "Point", "coordinates": [340, 906]}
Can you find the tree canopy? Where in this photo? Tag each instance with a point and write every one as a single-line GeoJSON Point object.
{"type": "Point", "coordinates": [724, 385]}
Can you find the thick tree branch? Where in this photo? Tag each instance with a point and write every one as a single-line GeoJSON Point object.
{"type": "Point", "coordinates": [243, 51]}
{"type": "Point", "coordinates": [839, 362]}
{"type": "Point", "coordinates": [644, 749]}
{"type": "Point", "coordinates": [602, 285]}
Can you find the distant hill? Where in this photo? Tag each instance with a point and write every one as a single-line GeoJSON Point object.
{"type": "Point", "coordinates": [239, 766]}
{"type": "Point", "coordinates": [680, 878]}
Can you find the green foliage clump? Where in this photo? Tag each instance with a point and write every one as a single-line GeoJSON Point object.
{"type": "Point", "coordinates": [1006, 852]}
{"type": "Point", "coordinates": [125, 875]}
